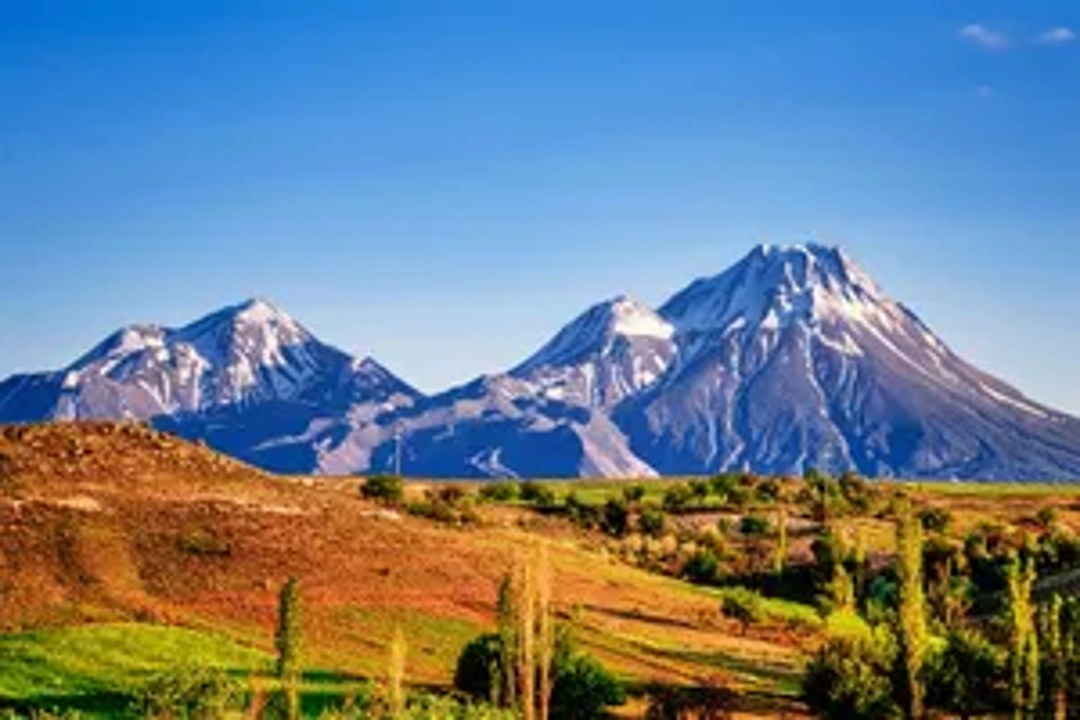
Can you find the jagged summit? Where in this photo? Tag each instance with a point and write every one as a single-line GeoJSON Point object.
{"type": "Point", "coordinates": [792, 358]}
{"type": "Point", "coordinates": [596, 330]}
{"type": "Point", "coordinates": [245, 354]}
{"type": "Point", "coordinates": [775, 286]}
{"type": "Point", "coordinates": [614, 349]}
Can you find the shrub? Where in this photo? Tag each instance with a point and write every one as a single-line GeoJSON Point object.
{"type": "Point", "coordinates": [723, 484]}
{"type": "Point", "coordinates": [965, 677]}
{"type": "Point", "coordinates": [848, 679]}
{"type": "Point", "coordinates": [584, 689]}
{"type": "Point", "coordinates": [384, 489]}
{"type": "Point", "coordinates": [581, 513]}
{"type": "Point", "coordinates": [450, 494]}
{"type": "Point", "coordinates": [634, 493]}
{"type": "Point", "coordinates": [857, 491]}
{"type": "Point", "coordinates": [703, 567]}
{"type": "Point", "coordinates": [652, 522]}
{"type": "Point", "coordinates": [754, 525]}
{"type": "Point", "coordinates": [534, 493]}
{"type": "Point", "coordinates": [615, 519]}
{"type": "Point", "coordinates": [479, 663]}
{"type": "Point", "coordinates": [738, 496]}
{"type": "Point", "coordinates": [436, 510]}
{"type": "Point", "coordinates": [742, 605]}
{"type": "Point", "coordinates": [699, 489]}
{"type": "Point", "coordinates": [935, 520]}
{"type": "Point", "coordinates": [768, 490]}
{"type": "Point", "coordinates": [1046, 516]}
{"type": "Point", "coordinates": [677, 497]}
{"type": "Point", "coordinates": [203, 543]}
{"type": "Point", "coordinates": [499, 491]}
{"type": "Point", "coordinates": [193, 694]}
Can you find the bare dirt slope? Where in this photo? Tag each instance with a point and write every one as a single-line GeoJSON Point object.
{"type": "Point", "coordinates": [109, 521]}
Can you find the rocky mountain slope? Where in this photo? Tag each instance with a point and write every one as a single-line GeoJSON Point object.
{"type": "Point", "coordinates": [792, 358]}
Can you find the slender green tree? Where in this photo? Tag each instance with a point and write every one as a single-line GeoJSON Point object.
{"type": "Point", "coordinates": [395, 675]}
{"type": "Point", "coordinates": [912, 633]}
{"type": "Point", "coordinates": [781, 540]}
{"type": "Point", "coordinates": [1023, 645]}
{"type": "Point", "coordinates": [1054, 676]}
{"type": "Point", "coordinates": [288, 640]}
{"type": "Point", "coordinates": [861, 565]}
{"type": "Point", "coordinates": [508, 647]}
{"type": "Point", "coordinates": [545, 633]}
{"type": "Point", "coordinates": [841, 590]}
{"type": "Point", "coordinates": [1070, 652]}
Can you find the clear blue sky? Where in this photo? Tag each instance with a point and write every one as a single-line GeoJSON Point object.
{"type": "Point", "coordinates": [444, 184]}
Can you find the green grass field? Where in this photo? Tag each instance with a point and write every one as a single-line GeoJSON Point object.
{"type": "Point", "coordinates": [94, 668]}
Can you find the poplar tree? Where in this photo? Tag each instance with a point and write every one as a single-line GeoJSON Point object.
{"type": "Point", "coordinates": [912, 616]}
{"type": "Point", "coordinates": [288, 640]}
{"type": "Point", "coordinates": [526, 604]}
{"type": "Point", "coordinates": [396, 674]}
{"type": "Point", "coordinates": [508, 645]}
{"type": "Point", "coordinates": [1055, 675]}
{"type": "Point", "coordinates": [545, 630]}
{"type": "Point", "coordinates": [1023, 645]}
{"type": "Point", "coordinates": [781, 540]}
{"type": "Point", "coordinates": [860, 563]}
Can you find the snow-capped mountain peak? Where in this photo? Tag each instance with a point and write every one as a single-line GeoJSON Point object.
{"type": "Point", "coordinates": [595, 331]}
{"type": "Point", "coordinates": [242, 355]}
{"type": "Point", "coordinates": [775, 286]}
{"type": "Point", "coordinates": [613, 349]}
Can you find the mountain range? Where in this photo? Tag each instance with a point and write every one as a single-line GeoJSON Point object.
{"type": "Point", "coordinates": [792, 358]}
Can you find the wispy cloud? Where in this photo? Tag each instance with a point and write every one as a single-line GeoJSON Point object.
{"type": "Point", "coordinates": [984, 37]}
{"type": "Point", "coordinates": [1056, 36]}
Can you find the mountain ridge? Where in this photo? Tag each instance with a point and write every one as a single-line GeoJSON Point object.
{"type": "Point", "coordinates": [791, 358]}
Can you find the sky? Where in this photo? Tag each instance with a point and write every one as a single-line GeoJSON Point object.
{"type": "Point", "coordinates": [443, 185]}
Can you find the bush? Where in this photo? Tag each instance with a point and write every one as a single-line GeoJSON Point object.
{"type": "Point", "coordinates": [203, 543]}
{"type": "Point", "coordinates": [703, 567]}
{"type": "Point", "coordinates": [754, 525]}
{"type": "Point", "coordinates": [1046, 516]}
{"type": "Point", "coordinates": [615, 520]}
{"type": "Point", "coordinates": [965, 677]}
{"type": "Point", "coordinates": [742, 605]}
{"type": "Point", "coordinates": [935, 519]}
{"type": "Point", "coordinates": [677, 497]}
{"type": "Point", "coordinates": [738, 496]}
{"type": "Point", "coordinates": [534, 493]}
{"type": "Point", "coordinates": [848, 679]}
{"type": "Point", "coordinates": [477, 666]}
{"type": "Point", "coordinates": [384, 489]}
{"type": "Point", "coordinates": [584, 689]}
{"type": "Point", "coordinates": [436, 510]}
{"type": "Point", "coordinates": [723, 484]}
{"type": "Point", "coordinates": [192, 694]}
{"type": "Point", "coordinates": [450, 494]}
{"type": "Point", "coordinates": [652, 522]}
{"type": "Point", "coordinates": [699, 489]}
{"type": "Point", "coordinates": [634, 493]}
{"type": "Point", "coordinates": [581, 513]}
{"type": "Point", "coordinates": [768, 490]}
{"type": "Point", "coordinates": [499, 491]}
